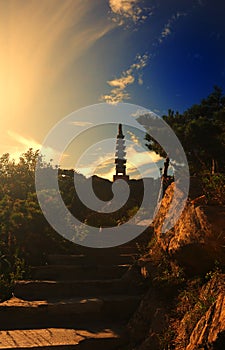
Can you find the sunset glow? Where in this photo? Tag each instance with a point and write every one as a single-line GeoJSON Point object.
{"type": "Point", "coordinates": [58, 56]}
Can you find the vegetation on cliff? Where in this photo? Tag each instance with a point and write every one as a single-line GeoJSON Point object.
{"type": "Point", "coordinates": [184, 308]}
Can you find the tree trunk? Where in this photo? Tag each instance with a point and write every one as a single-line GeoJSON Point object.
{"type": "Point", "coordinates": [213, 166]}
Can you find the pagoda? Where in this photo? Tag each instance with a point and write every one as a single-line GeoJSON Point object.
{"type": "Point", "coordinates": [120, 159]}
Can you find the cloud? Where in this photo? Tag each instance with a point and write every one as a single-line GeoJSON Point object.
{"type": "Point", "coordinates": [133, 137]}
{"type": "Point", "coordinates": [139, 112]}
{"type": "Point", "coordinates": [21, 145]}
{"type": "Point", "coordinates": [140, 80]}
{"type": "Point", "coordinates": [81, 123]}
{"type": "Point", "coordinates": [118, 92]}
{"type": "Point", "coordinates": [139, 162]}
{"type": "Point", "coordinates": [26, 143]}
{"type": "Point", "coordinates": [167, 30]}
{"type": "Point", "coordinates": [125, 11]}
{"type": "Point", "coordinates": [138, 158]}
{"type": "Point", "coordinates": [101, 166]}
{"type": "Point", "coordinates": [122, 82]}
{"type": "Point", "coordinates": [115, 96]}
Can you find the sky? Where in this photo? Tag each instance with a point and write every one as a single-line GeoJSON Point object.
{"type": "Point", "coordinates": [59, 56]}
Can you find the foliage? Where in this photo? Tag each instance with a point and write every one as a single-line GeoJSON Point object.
{"type": "Point", "coordinates": [201, 131]}
{"type": "Point", "coordinates": [12, 268]}
{"type": "Point", "coordinates": [214, 188]}
{"type": "Point", "coordinates": [166, 271]}
{"type": "Point", "coordinates": [24, 232]}
{"type": "Point", "coordinates": [192, 302]}
{"type": "Point", "coordinates": [186, 299]}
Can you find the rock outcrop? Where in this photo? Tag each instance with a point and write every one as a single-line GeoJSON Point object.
{"type": "Point", "coordinates": [195, 245]}
{"type": "Point", "coordinates": [209, 332]}
{"type": "Point", "coordinates": [198, 238]}
{"type": "Point", "coordinates": [203, 326]}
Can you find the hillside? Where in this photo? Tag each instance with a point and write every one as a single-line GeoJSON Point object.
{"type": "Point", "coordinates": [184, 308]}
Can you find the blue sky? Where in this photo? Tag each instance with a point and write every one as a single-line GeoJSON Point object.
{"type": "Point", "coordinates": [59, 56]}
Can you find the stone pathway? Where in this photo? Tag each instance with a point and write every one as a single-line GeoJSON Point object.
{"type": "Point", "coordinates": [77, 301]}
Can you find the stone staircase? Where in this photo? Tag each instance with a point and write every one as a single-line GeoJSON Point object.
{"type": "Point", "coordinates": [80, 301]}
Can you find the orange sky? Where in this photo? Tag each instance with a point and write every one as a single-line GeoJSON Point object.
{"type": "Point", "coordinates": [39, 40]}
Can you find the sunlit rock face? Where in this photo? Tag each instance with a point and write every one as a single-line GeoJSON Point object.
{"type": "Point", "coordinates": [195, 244]}
{"type": "Point", "coordinates": [207, 330]}
{"type": "Point", "coordinates": [197, 240]}
{"type": "Point", "coordinates": [210, 330]}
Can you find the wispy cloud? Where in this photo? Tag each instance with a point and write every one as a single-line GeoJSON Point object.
{"type": "Point", "coordinates": [167, 30]}
{"type": "Point", "coordinates": [139, 161]}
{"type": "Point", "coordinates": [133, 137]}
{"type": "Point", "coordinates": [118, 92]}
{"type": "Point", "coordinates": [141, 158]}
{"type": "Point", "coordinates": [81, 123]}
{"type": "Point", "coordinates": [125, 11]}
{"type": "Point", "coordinates": [101, 165]}
{"type": "Point", "coordinates": [121, 83]}
{"type": "Point", "coordinates": [130, 9]}
{"type": "Point", "coordinates": [27, 142]}
{"type": "Point", "coordinates": [139, 112]}
{"type": "Point", "coordinates": [19, 145]}
{"type": "Point", "coordinates": [24, 143]}
{"type": "Point", "coordinates": [139, 164]}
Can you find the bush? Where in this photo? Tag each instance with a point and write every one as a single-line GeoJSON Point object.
{"type": "Point", "coordinates": [12, 268]}
{"type": "Point", "coordinates": [214, 188]}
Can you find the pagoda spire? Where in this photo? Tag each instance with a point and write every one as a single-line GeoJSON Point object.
{"type": "Point", "coordinates": [120, 154]}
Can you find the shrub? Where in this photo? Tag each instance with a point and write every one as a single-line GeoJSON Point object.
{"type": "Point", "coordinates": [214, 188]}
{"type": "Point", "coordinates": [12, 268]}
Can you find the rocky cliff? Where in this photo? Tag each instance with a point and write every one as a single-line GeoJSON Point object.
{"type": "Point", "coordinates": [184, 308]}
{"type": "Point", "coordinates": [198, 238]}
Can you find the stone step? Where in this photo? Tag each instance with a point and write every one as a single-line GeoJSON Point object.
{"type": "Point", "coordinates": [76, 312]}
{"type": "Point", "coordinates": [38, 290]}
{"type": "Point", "coordinates": [73, 272]}
{"type": "Point", "coordinates": [59, 338]}
{"type": "Point", "coordinates": [100, 259]}
{"type": "Point", "coordinates": [129, 248]}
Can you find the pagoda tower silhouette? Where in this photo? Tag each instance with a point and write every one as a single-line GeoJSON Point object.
{"type": "Point", "coordinates": [120, 159]}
